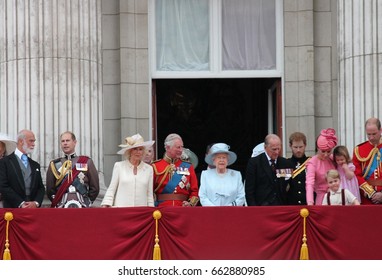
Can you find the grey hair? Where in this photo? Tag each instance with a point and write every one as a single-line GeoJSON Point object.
{"type": "Point", "coordinates": [269, 137]}
{"type": "Point", "coordinates": [169, 141]}
{"type": "Point", "coordinates": [21, 135]}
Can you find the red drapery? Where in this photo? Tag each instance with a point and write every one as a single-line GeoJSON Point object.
{"type": "Point", "coordinates": [333, 232]}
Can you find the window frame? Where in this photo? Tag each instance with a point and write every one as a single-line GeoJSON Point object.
{"type": "Point", "coordinates": [215, 50]}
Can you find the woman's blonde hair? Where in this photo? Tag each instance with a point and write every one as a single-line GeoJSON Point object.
{"type": "Point", "coordinates": [128, 152]}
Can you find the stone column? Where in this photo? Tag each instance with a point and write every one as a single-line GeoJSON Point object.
{"type": "Point", "coordinates": [299, 70]}
{"type": "Point", "coordinates": [51, 74]}
{"type": "Point", "coordinates": [360, 46]}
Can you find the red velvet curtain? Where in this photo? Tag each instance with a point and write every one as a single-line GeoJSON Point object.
{"type": "Point", "coordinates": [333, 232]}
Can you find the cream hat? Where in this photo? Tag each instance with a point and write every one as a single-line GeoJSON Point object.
{"type": "Point", "coordinates": [10, 145]}
{"type": "Point", "coordinates": [220, 148]}
{"type": "Point", "coordinates": [134, 141]}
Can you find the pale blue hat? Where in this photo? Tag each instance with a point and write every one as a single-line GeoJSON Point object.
{"type": "Point", "coordinates": [220, 148]}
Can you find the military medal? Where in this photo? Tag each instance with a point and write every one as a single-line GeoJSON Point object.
{"type": "Point", "coordinates": [81, 176]}
{"type": "Point", "coordinates": [82, 166]}
{"type": "Point", "coordinates": [181, 185]}
{"type": "Point", "coordinates": [183, 171]}
{"type": "Point", "coordinates": [284, 173]}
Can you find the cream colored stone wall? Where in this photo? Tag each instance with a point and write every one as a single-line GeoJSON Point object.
{"type": "Point", "coordinates": [127, 106]}
{"type": "Point", "coordinates": [310, 63]}
{"type": "Point", "coordinates": [51, 75]}
{"type": "Point", "coordinates": [360, 54]}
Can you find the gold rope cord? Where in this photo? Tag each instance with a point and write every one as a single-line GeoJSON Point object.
{"type": "Point", "coordinates": [165, 171]}
{"type": "Point", "coordinates": [156, 254]}
{"type": "Point", "coordinates": [304, 253]}
{"type": "Point", "coordinates": [65, 168]}
{"type": "Point", "coordinates": [372, 153]}
{"type": "Point", "coordinates": [8, 216]}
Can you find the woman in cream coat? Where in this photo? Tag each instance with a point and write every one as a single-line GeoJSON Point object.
{"type": "Point", "coordinates": [132, 179]}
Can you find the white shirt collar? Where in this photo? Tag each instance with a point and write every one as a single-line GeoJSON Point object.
{"type": "Point", "coordinates": [18, 153]}
{"type": "Point", "coordinates": [338, 191]}
{"type": "Point", "coordinates": [269, 159]}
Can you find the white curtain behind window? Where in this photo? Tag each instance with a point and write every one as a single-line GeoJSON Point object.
{"type": "Point", "coordinates": [182, 35]}
{"type": "Point", "coordinates": [249, 34]}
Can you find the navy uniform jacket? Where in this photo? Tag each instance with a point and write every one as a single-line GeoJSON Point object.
{"type": "Point", "coordinates": [12, 184]}
{"type": "Point", "coordinates": [262, 187]}
{"type": "Point", "coordinates": [296, 194]}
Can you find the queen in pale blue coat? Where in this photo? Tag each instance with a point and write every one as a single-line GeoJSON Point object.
{"type": "Point", "coordinates": [221, 186]}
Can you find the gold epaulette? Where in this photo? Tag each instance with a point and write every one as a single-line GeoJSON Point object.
{"type": "Point", "coordinates": [167, 170]}
{"type": "Point", "coordinates": [156, 171]}
{"type": "Point", "coordinates": [368, 189]}
{"type": "Point", "coordinates": [363, 159]}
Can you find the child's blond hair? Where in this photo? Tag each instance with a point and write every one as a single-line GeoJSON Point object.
{"type": "Point", "coordinates": [332, 173]}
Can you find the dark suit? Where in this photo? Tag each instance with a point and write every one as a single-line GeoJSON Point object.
{"type": "Point", "coordinates": [262, 187]}
{"type": "Point", "coordinates": [12, 184]}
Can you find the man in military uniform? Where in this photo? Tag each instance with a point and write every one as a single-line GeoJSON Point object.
{"type": "Point", "coordinates": [296, 195]}
{"type": "Point", "coordinates": [175, 181]}
{"type": "Point", "coordinates": [367, 161]}
{"type": "Point", "coordinates": [71, 181]}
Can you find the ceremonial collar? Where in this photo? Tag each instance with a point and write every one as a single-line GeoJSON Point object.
{"type": "Point", "coordinates": [170, 160]}
{"type": "Point", "coordinates": [70, 156]}
{"type": "Point", "coordinates": [299, 160]}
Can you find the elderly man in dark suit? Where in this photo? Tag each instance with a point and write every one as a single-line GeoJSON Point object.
{"type": "Point", "coordinates": [267, 175]}
{"type": "Point", "coordinates": [20, 177]}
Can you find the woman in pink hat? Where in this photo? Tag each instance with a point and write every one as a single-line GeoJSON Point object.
{"type": "Point", "coordinates": [318, 165]}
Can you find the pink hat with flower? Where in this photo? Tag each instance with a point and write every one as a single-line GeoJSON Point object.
{"type": "Point", "coordinates": [327, 139]}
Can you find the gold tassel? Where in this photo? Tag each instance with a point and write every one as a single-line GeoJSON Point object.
{"type": "Point", "coordinates": [8, 216]}
{"type": "Point", "coordinates": [156, 254]}
{"type": "Point", "coordinates": [304, 253]}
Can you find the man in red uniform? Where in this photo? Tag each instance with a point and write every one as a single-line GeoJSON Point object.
{"type": "Point", "coordinates": [175, 182]}
{"type": "Point", "coordinates": [367, 161]}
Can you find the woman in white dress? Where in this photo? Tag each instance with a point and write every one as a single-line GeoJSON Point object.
{"type": "Point", "coordinates": [221, 186]}
{"type": "Point", "coordinates": [132, 179]}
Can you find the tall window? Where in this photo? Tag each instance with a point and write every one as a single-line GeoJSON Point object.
{"type": "Point", "coordinates": [215, 36]}
{"type": "Point", "coordinates": [182, 35]}
{"type": "Point", "coordinates": [249, 35]}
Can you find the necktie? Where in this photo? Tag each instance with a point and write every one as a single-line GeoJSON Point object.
{"type": "Point", "coordinates": [273, 166]}
{"type": "Point", "coordinates": [24, 159]}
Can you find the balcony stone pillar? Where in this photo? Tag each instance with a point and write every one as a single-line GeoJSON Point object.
{"type": "Point", "coordinates": [51, 74]}
{"type": "Point", "coordinates": [360, 72]}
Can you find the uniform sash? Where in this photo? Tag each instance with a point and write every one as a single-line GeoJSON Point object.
{"type": "Point", "coordinates": [300, 168]}
{"type": "Point", "coordinates": [373, 165]}
{"type": "Point", "coordinates": [173, 183]}
{"type": "Point", "coordinates": [67, 182]}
